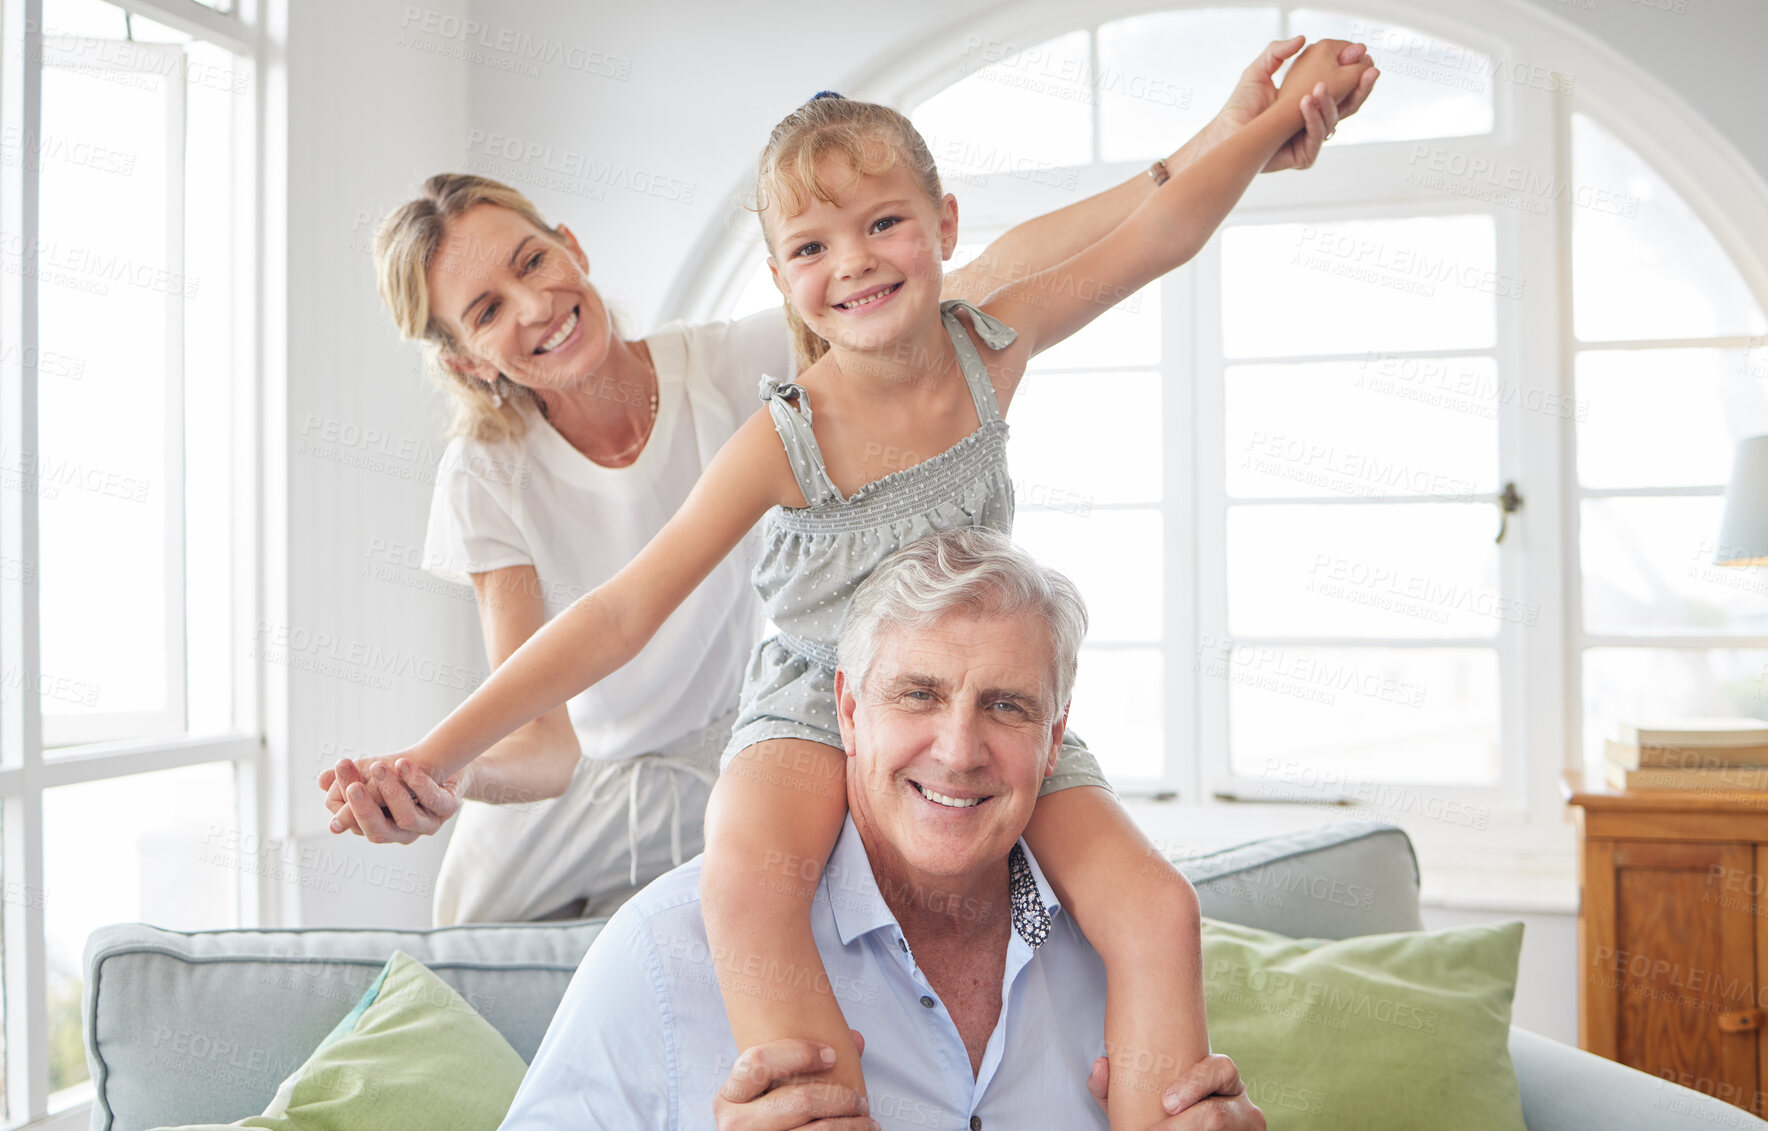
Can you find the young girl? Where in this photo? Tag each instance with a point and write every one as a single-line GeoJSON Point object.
{"type": "Point", "coordinates": [857, 229]}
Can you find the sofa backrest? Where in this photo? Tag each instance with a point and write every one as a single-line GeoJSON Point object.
{"type": "Point", "coordinates": [201, 1027]}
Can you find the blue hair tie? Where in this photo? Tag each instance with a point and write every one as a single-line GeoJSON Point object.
{"type": "Point", "coordinates": [825, 94]}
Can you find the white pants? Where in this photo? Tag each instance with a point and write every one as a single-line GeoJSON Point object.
{"type": "Point", "coordinates": [618, 826]}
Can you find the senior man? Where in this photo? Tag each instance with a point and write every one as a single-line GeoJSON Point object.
{"type": "Point", "coordinates": [980, 1003]}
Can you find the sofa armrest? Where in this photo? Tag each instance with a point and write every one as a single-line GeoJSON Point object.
{"type": "Point", "coordinates": [201, 1027]}
{"type": "Point", "coordinates": [1567, 1089]}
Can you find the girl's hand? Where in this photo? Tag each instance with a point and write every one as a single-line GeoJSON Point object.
{"type": "Point", "coordinates": [1257, 91]}
{"type": "Point", "coordinates": [390, 800]}
{"type": "Point", "coordinates": [1320, 64]}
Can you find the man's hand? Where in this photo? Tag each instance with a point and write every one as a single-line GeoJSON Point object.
{"type": "Point", "coordinates": [389, 800]}
{"type": "Point", "coordinates": [1210, 1096]}
{"type": "Point", "coordinates": [1257, 90]}
{"type": "Point", "coordinates": [760, 1095]}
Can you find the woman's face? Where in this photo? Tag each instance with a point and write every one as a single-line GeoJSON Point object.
{"type": "Point", "coordinates": [518, 301]}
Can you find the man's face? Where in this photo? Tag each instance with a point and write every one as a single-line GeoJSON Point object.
{"type": "Point", "coordinates": [955, 730]}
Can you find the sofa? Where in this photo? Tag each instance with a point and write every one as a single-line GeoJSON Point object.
{"type": "Point", "coordinates": [202, 1026]}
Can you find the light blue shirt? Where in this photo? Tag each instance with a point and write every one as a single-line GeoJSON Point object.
{"type": "Point", "coordinates": [641, 1041]}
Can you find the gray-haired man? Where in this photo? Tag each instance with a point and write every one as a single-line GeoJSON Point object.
{"type": "Point", "coordinates": [982, 1003]}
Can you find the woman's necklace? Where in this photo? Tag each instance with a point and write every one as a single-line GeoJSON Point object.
{"type": "Point", "coordinates": [624, 458]}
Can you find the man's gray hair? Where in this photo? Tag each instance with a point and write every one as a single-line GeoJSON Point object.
{"type": "Point", "coordinates": [974, 570]}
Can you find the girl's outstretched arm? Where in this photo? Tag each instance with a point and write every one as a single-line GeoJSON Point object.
{"type": "Point", "coordinates": [771, 823]}
{"type": "Point", "coordinates": [608, 626]}
{"type": "Point", "coordinates": [1044, 241]}
{"type": "Point", "coordinates": [1172, 225]}
{"type": "Point", "coordinates": [1141, 916]}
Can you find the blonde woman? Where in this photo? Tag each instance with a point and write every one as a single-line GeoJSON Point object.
{"type": "Point", "coordinates": [572, 445]}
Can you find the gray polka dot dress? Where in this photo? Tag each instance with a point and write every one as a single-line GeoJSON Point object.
{"type": "Point", "coordinates": [814, 557]}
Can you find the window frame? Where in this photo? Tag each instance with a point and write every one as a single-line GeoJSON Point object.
{"type": "Point", "coordinates": [1536, 451]}
{"type": "Point", "coordinates": [25, 772]}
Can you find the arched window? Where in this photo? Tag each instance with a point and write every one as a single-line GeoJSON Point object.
{"type": "Point", "coordinates": [1279, 474]}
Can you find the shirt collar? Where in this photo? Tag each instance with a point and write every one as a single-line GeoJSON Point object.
{"type": "Point", "coordinates": [859, 908]}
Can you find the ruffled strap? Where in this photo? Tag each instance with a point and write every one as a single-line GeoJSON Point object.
{"type": "Point", "coordinates": [995, 334]}
{"type": "Point", "coordinates": [793, 426]}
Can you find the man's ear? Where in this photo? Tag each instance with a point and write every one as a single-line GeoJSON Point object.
{"type": "Point", "coordinates": [470, 367]}
{"type": "Point", "coordinates": [1056, 733]}
{"type": "Point", "coordinates": [574, 248]}
{"type": "Point", "coordinates": [845, 705]}
{"type": "Point", "coordinates": [948, 226]}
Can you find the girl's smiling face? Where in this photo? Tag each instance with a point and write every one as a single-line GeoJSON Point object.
{"type": "Point", "coordinates": [517, 301]}
{"type": "Point", "coordinates": [864, 270]}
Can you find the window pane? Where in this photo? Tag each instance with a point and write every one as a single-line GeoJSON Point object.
{"type": "Point", "coordinates": [1163, 76]}
{"type": "Point", "coordinates": [1415, 570]}
{"type": "Point", "coordinates": [1118, 693]}
{"type": "Point", "coordinates": [1648, 568]}
{"type": "Point", "coordinates": [1629, 684]}
{"type": "Point", "coordinates": [213, 316]}
{"type": "Point", "coordinates": [1430, 87]}
{"type": "Point", "coordinates": [1079, 440]}
{"type": "Point", "coordinates": [1646, 268]}
{"type": "Point", "coordinates": [1665, 418]}
{"type": "Point", "coordinates": [109, 278]}
{"type": "Point", "coordinates": [149, 848]}
{"type": "Point", "coordinates": [1355, 286]}
{"type": "Point", "coordinates": [1418, 715]}
{"type": "Point", "coordinates": [1126, 334]}
{"type": "Point", "coordinates": [1114, 556]}
{"type": "Point", "coordinates": [1022, 110]}
{"type": "Point", "coordinates": [1342, 428]}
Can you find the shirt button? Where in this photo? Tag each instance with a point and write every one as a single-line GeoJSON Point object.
{"type": "Point", "coordinates": [975, 1123]}
{"type": "Point", "coordinates": [904, 943]}
{"type": "Point", "coordinates": [926, 1001]}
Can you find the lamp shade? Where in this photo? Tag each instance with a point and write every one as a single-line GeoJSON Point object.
{"type": "Point", "coordinates": [1743, 532]}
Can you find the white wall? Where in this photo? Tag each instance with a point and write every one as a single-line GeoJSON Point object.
{"type": "Point", "coordinates": [369, 116]}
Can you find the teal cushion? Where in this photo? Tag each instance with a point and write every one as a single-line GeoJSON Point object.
{"type": "Point", "coordinates": [412, 1053]}
{"type": "Point", "coordinates": [1377, 1032]}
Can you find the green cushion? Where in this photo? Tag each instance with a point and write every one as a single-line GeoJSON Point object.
{"type": "Point", "coordinates": [412, 1053]}
{"type": "Point", "coordinates": [1394, 1031]}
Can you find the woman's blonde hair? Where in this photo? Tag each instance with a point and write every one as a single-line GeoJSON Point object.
{"type": "Point", "coordinates": [872, 139]}
{"type": "Point", "coordinates": [404, 247]}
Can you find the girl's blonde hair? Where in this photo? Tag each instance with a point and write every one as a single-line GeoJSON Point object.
{"type": "Point", "coordinates": [404, 247]}
{"type": "Point", "coordinates": [871, 138]}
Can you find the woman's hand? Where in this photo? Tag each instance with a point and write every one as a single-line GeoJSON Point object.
{"type": "Point", "coordinates": [1257, 91]}
{"type": "Point", "coordinates": [1322, 62]}
{"type": "Point", "coordinates": [391, 800]}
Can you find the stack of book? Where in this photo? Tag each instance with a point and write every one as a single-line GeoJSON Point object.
{"type": "Point", "coordinates": [1690, 754]}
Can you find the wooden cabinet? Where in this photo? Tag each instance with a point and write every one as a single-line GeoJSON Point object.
{"type": "Point", "coordinates": [1672, 939]}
